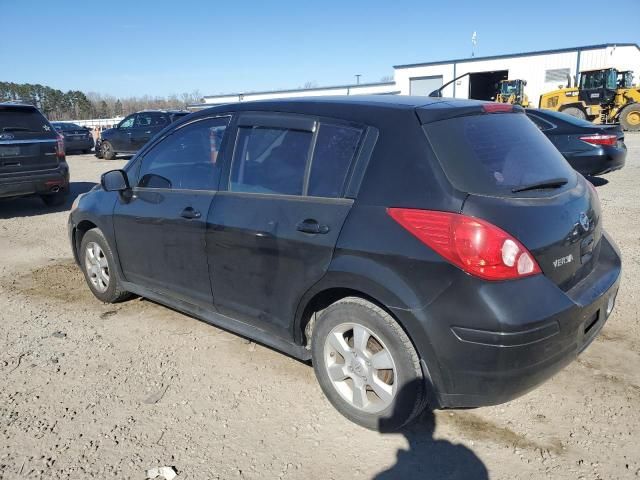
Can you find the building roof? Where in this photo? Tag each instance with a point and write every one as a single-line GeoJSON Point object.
{"type": "Point", "coordinates": [295, 90]}
{"type": "Point", "coordinates": [524, 54]}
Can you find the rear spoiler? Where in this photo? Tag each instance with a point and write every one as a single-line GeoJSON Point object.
{"type": "Point", "coordinates": [445, 110]}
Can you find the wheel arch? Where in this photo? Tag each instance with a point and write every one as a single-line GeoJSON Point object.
{"type": "Point", "coordinates": [337, 285]}
{"type": "Point", "coordinates": [78, 233]}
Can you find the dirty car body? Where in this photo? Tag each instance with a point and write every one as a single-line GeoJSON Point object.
{"type": "Point", "coordinates": [424, 173]}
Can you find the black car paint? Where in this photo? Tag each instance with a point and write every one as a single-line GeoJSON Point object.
{"type": "Point", "coordinates": [480, 342]}
{"type": "Point", "coordinates": [76, 138]}
{"type": "Point", "coordinates": [37, 169]}
{"type": "Point", "coordinates": [584, 157]}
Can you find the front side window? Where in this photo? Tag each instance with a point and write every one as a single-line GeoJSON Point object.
{"type": "Point", "coordinates": [186, 159]}
{"type": "Point", "coordinates": [127, 122]}
{"type": "Point", "coordinates": [335, 148]}
{"type": "Point", "coordinates": [270, 160]}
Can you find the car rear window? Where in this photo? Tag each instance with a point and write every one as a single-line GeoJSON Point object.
{"type": "Point", "coordinates": [21, 121]}
{"type": "Point", "coordinates": [568, 118]}
{"type": "Point", "coordinates": [492, 154]}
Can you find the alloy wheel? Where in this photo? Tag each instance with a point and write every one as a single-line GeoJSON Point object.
{"type": "Point", "coordinates": [97, 266]}
{"type": "Point", "coordinates": [360, 367]}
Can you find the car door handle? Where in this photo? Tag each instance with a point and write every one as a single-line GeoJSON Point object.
{"type": "Point", "coordinates": [149, 131]}
{"type": "Point", "coordinates": [312, 226]}
{"type": "Point", "coordinates": [189, 213]}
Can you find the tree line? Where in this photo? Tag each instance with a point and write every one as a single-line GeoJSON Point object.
{"type": "Point", "coordinates": [77, 105]}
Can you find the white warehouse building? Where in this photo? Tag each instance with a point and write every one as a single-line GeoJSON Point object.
{"type": "Point", "coordinates": [544, 71]}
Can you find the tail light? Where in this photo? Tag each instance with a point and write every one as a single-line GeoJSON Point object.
{"type": "Point", "coordinates": [600, 139]}
{"type": "Point", "coordinates": [60, 146]}
{"type": "Point", "coordinates": [474, 245]}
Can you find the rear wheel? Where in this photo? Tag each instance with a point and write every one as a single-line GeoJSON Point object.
{"type": "Point", "coordinates": [97, 263]}
{"type": "Point", "coordinates": [575, 112]}
{"type": "Point", "coordinates": [367, 366]}
{"type": "Point", "coordinates": [107, 151]}
{"type": "Point", "coordinates": [630, 117]}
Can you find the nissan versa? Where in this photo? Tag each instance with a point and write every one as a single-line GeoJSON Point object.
{"type": "Point", "coordinates": [417, 250]}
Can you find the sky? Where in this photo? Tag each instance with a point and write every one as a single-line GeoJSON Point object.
{"type": "Point", "coordinates": [158, 48]}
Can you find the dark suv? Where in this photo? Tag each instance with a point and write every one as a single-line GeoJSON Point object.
{"type": "Point", "coordinates": [32, 156]}
{"type": "Point", "coordinates": [418, 250]}
{"type": "Point", "coordinates": [134, 131]}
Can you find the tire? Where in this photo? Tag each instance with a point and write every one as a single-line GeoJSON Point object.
{"type": "Point", "coordinates": [334, 348]}
{"type": "Point", "coordinates": [107, 151]}
{"type": "Point", "coordinates": [630, 117]}
{"type": "Point", "coordinates": [54, 199]}
{"type": "Point", "coordinates": [100, 275]}
{"type": "Point", "coordinates": [575, 112]}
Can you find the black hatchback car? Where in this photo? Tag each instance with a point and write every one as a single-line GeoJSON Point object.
{"type": "Point", "coordinates": [417, 250]}
{"type": "Point", "coordinates": [590, 149]}
{"type": "Point", "coordinates": [32, 155]}
{"type": "Point", "coordinates": [134, 131]}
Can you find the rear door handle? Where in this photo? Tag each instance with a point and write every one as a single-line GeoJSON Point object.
{"type": "Point", "coordinates": [189, 213]}
{"type": "Point", "coordinates": [312, 226]}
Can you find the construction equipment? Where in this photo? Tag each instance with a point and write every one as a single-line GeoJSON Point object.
{"type": "Point", "coordinates": [602, 96]}
{"type": "Point", "coordinates": [512, 92]}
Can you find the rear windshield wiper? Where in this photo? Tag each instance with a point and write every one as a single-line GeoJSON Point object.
{"type": "Point", "coordinates": [552, 183]}
{"type": "Point", "coordinates": [16, 129]}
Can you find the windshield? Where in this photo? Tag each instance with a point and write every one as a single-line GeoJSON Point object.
{"type": "Point", "coordinates": [493, 154]}
{"type": "Point", "coordinates": [508, 88]}
{"type": "Point", "coordinates": [67, 126]}
{"type": "Point", "coordinates": [565, 118]}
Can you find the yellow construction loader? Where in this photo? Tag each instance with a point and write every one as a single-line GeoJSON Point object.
{"type": "Point", "coordinates": [512, 91]}
{"type": "Point", "coordinates": [601, 96]}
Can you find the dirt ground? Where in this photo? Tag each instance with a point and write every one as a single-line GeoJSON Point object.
{"type": "Point", "coordinates": [89, 390]}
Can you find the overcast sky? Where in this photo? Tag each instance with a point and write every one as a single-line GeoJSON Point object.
{"type": "Point", "coordinates": [143, 47]}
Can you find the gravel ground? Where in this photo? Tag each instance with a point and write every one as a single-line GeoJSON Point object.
{"type": "Point", "coordinates": [89, 390]}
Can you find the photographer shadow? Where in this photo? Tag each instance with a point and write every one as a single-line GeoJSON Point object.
{"type": "Point", "coordinates": [428, 458]}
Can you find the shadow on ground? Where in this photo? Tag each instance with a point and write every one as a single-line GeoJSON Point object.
{"type": "Point", "coordinates": [32, 206]}
{"type": "Point", "coordinates": [429, 458]}
{"type": "Point", "coordinates": [597, 181]}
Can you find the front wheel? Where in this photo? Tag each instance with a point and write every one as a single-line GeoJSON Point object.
{"type": "Point", "coordinates": [630, 117]}
{"type": "Point", "coordinates": [367, 366]}
{"type": "Point", "coordinates": [575, 112]}
{"type": "Point", "coordinates": [107, 151]}
{"type": "Point", "coordinates": [97, 263]}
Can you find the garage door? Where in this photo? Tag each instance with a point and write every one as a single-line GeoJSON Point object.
{"type": "Point", "coordinates": [424, 85]}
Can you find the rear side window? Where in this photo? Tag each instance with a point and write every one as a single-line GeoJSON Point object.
{"type": "Point", "coordinates": [270, 160]}
{"type": "Point", "coordinates": [19, 121]}
{"type": "Point", "coordinates": [494, 153]}
{"type": "Point", "coordinates": [335, 148]}
{"type": "Point", "coordinates": [540, 123]}
{"type": "Point", "coordinates": [186, 159]}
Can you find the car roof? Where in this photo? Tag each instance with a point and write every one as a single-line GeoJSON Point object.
{"type": "Point", "coordinates": [13, 103]}
{"type": "Point", "coordinates": [354, 107]}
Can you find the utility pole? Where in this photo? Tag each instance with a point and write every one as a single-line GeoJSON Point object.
{"type": "Point", "coordinates": [474, 42]}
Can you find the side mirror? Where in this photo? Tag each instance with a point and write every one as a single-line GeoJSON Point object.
{"type": "Point", "coordinates": [114, 181]}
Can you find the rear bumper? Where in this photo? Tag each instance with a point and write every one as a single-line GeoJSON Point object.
{"type": "Point", "coordinates": [493, 342]}
{"type": "Point", "coordinates": [39, 182]}
{"type": "Point", "coordinates": [598, 161]}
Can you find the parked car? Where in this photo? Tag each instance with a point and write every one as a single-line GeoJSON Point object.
{"type": "Point", "coordinates": [134, 131]}
{"type": "Point", "coordinates": [415, 249]}
{"type": "Point", "coordinates": [76, 138]}
{"type": "Point", "coordinates": [590, 149]}
{"type": "Point", "coordinates": [32, 155]}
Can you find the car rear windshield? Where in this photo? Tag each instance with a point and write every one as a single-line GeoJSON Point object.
{"type": "Point", "coordinates": [579, 122]}
{"type": "Point", "coordinates": [19, 121]}
{"type": "Point", "coordinates": [493, 154]}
